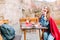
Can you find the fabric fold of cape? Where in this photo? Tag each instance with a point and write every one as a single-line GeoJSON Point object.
{"type": "Point", "coordinates": [54, 30]}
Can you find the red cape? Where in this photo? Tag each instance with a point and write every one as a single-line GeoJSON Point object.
{"type": "Point", "coordinates": [54, 30]}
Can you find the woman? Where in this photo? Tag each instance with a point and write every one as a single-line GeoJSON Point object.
{"type": "Point", "coordinates": [52, 32]}
{"type": "Point", "coordinates": [47, 33]}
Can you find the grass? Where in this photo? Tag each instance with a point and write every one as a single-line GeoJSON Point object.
{"type": "Point", "coordinates": [59, 26]}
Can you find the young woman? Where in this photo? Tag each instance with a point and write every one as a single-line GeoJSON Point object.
{"type": "Point", "coordinates": [45, 23]}
{"type": "Point", "coordinates": [52, 33]}
{"type": "Point", "coordinates": [47, 34]}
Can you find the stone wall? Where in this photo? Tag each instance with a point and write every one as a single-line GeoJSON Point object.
{"type": "Point", "coordinates": [11, 10]}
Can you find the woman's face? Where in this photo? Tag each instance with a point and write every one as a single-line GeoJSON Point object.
{"type": "Point", "coordinates": [46, 10]}
{"type": "Point", "coordinates": [48, 15]}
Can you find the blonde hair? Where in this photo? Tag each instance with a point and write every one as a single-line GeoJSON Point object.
{"type": "Point", "coordinates": [48, 13]}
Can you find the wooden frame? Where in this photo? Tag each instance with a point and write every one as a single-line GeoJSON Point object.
{"type": "Point", "coordinates": [4, 21]}
{"type": "Point", "coordinates": [22, 20]}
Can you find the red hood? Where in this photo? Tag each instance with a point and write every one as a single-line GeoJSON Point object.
{"type": "Point", "coordinates": [54, 30]}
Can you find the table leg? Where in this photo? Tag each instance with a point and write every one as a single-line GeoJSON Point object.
{"type": "Point", "coordinates": [40, 34]}
{"type": "Point", "coordinates": [24, 34]}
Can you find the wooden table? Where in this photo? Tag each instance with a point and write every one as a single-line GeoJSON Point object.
{"type": "Point", "coordinates": [25, 29]}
